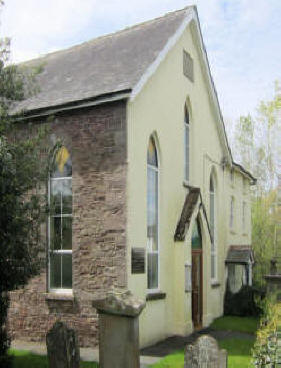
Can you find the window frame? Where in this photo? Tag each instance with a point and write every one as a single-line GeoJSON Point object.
{"type": "Point", "coordinates": [57, 251]}
{"type": "Point", "coordinates": [186, 146]}
{"type": "Point", "coordinates": [155, 170]}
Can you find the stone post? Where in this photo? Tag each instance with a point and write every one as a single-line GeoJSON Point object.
{"type": "Point", "coordinates": [62, 347]}
{"type": "Point", "coordinates": [119, 330]}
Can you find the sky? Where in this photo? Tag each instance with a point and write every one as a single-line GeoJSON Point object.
{"type": "Point", "coordinates": [242, 37]}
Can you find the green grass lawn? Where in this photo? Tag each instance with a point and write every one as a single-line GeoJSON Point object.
{"type": "Point", "coordinates": [239, 355]}
{"type": "Point", "coordinates": [233, 323]}
{"type": "Point", "coordinates": [239, 350]}
{"type": "Point", "coordinates": [25, 359]}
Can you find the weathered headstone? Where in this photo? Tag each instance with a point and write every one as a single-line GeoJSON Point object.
{"type": "Point", "coordinates": [119, 330]}
{"type": "Point", "coordinates": [62, 347]}
{"type": "Point", "coordinates": [205, 353]}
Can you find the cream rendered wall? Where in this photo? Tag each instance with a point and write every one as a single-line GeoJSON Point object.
{"type": "Point", "coordinates": [159, 109]}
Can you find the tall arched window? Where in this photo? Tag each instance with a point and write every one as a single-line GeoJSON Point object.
{"type": "Point", "coordinates": [60, 222]}
{"type": "Point", "coordinates": [152, 216]}
{"type": "Point", "coordinates": [186, 144]}
{"type": "Point", "coordinates": [212, 194]}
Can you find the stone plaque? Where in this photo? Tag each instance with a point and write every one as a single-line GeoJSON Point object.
{"type": "Point", "coordinates": [138, 260]}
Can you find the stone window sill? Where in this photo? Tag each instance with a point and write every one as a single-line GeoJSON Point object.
{"type": "Point", "coordinates": [215, 284]}
{"type": "Point", "coordinates": [59, 297]}
{"type": "Point", "coordinates": [155, 296]}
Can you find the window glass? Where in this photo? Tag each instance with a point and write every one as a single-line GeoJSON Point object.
{"type": "Point", "coordinates": [213, 228]}
{"type": "Point", "coordinates": [186, 143]}
{"type": "Point", "coordinates": [152, 216]}
{"type": "Point", "coordinates": [60, 222]}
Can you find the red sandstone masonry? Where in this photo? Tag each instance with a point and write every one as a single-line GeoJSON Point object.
{"type": "Point", "coordinates": [96, 138]}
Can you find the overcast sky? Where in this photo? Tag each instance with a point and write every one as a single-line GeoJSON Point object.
{"type": "Point", "coordinates": [242, 37]}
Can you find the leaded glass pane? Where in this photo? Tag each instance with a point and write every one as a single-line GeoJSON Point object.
{"type": "Point", "coordinates": [55, 233]}
{"type": "Point", "coordinates": [61, 196]}
{"type": "Point", "coordinates": [66, 233]}
{"type": "Point", "coordinates": [66, 271]}
{"type": "Point", "coordinates": [196, 240]}
{"type": "Point", "coordinates": [152, 153]}
{"type": "Point", "coordinates": [55, 270]}
{"type": "Point", "coordinates": [62, 164]}
{"type": "Point", "coordinates": [152, 270]}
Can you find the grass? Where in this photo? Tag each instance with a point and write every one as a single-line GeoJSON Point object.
{"type": "Point", "coordinates": [233, 323]}
{"type": "Point", "coordinates": [239, 355]}
{"type": "Point", "coordinates": [25, 359]}
{"type": "Point", "coordinates": [239, 350]}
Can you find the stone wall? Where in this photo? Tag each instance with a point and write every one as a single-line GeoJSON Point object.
{"type": "Point", "coordinates": [96, 139]}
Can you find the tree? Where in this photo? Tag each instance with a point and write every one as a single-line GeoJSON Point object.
{"type": "Point", "coordinates": [23, 169]}
{"type": "Point", "coordinates": [257, 146]}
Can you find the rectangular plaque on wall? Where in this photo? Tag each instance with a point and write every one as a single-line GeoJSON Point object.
{"type": "Point", "coordinates": [138, 260]}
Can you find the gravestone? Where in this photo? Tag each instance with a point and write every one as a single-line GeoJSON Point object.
{"type": "Point", "coordinates": [62, 347]}
{"type": "Point", "coordinates": [205, 353]}
{"type": "Point", "coordinates": [119, 330]}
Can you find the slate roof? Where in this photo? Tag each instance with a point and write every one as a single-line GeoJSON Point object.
{"type": "Point", "coordinates": [239, 254]}
{"type": "Point", "coordinates": [107, 64]}
{"type": "Point", "coordinates": [187, 211]}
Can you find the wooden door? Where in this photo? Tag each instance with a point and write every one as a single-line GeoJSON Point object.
{"type": "Point", "coordinates": [197, 288]}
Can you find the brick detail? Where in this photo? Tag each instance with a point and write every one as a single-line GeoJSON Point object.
{"type": "Point", "coordinates": [97, 140]}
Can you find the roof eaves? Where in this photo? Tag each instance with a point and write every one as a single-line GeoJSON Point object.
{"type": "Point", "coordinates": [245, 172]}
{"type": "Point", "coordinates": [73, 105]}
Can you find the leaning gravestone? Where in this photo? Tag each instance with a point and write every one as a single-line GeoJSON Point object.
{"type": "Point", "coordinates": [62, 347]}
{"type": "Point", "coordinates": [205, 353]}
{"type": "Point", "coordinates": [119, 329]}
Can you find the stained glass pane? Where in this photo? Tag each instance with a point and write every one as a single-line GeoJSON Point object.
{"type": "Point", "coordinates": [152, 270]}
{"type": "Point", "coordinates": [196, 240]}
{"type": "Point", "coordinates": [66, 271]}
{"type": "Point", "coordinates": [62, 164]}
{"type": "Point", "coordinates": [152, 153]}
{"type": "Point", "coordinates": [55, 270]}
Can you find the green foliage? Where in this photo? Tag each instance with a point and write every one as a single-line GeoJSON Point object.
{"type": "Point", "coordinates": [234, 323]}
{"type": "Point", "coordinates": [265, 350]}
{"type": "Point", "coordinates": [242, 303]}
{"type": "Point", "coordinates": [23, 170]}
{"type": "Point", "coordinates": [262, 237]}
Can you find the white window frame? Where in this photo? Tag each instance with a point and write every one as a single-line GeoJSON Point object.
{"type": "Point", "coordinates": [155, 169]}
{"type": "Point", "coordinates": [57, 251]}
{"type": "Point", "coordinates": [212, 194]}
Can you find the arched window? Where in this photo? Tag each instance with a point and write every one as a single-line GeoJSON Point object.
{"type": "Point", "coordinates": [152, 216]}
{"type": "Point", "coordinates": [186, 144]}
{"type": "Point", "coordinates": [60, 222]}
{"type": "Point", "coordinates": [212, 207]}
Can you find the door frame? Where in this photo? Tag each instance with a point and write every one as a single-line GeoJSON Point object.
{"type": "Point", "coordinates": [200, 253]}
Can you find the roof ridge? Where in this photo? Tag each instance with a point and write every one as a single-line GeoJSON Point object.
{"type": "Point", "coordinates": [108, 35]}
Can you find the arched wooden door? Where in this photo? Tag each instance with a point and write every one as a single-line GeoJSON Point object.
{"type": "Point", "coordinates": [197, 275]}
